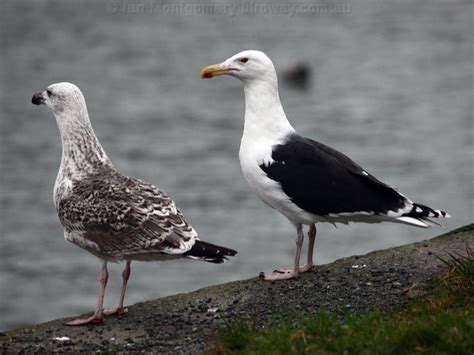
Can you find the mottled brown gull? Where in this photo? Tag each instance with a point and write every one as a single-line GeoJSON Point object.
{"type": "Point", "coordinates": [113, 216]}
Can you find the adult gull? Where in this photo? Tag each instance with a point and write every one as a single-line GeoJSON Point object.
{"type": "Point", "coordinates": [306, 181]}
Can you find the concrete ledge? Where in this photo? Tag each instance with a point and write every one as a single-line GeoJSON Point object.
{"type": "Point", "coordinates": [184, 323]}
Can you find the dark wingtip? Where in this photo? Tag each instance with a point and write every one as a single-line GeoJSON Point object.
{"type": "Point", "coordinates": [231, 252]}
{"type": "Point", "coordinates": [422, 211]}
{"type": "Point", "coordinates": [210, 252]}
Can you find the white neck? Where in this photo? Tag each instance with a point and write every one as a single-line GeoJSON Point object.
{"type": "Point", "coordinates": [264, 114]}
{"type": "Point", "coordinates": [82, 152]}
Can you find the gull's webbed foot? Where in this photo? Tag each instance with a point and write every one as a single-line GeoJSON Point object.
{"type": "Point", "coordinates": [281, 274]}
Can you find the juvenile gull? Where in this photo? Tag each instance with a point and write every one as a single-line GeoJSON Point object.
{"type": "Point", "coordinates": [306, 181]}
{"type": "Point", "coordinates": [113, 216]}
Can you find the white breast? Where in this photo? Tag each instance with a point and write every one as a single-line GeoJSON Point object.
{"type": "Point", "coordinates": [255, 153]}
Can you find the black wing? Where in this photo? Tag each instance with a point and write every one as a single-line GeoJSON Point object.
{"type": "Point", "coordinates": [324, 181]}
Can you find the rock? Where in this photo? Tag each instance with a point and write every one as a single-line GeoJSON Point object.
{"type": "Point", "coordinates": [186, 323]}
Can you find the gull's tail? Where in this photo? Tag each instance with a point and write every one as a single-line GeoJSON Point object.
{"type": "Point", "coordinates": [420, 216]}
{"type": "Point", "coordinates": [209, 252]}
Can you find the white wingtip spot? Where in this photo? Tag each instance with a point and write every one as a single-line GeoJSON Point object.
{"type": "Point", "coordinates": [443, 214]}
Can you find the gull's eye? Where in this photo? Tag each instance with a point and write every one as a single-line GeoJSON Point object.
{"type": "Point", "coordinates": [244, 60]}
{"type": "Point", "coordinates": [49, 92]}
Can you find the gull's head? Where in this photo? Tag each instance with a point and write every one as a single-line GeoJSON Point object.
{"type": "Point", "coordinates": [247, 66]}
{"type": "Point", "coordinates": [61, 98]}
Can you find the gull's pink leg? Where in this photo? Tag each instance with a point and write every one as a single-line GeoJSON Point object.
{"type": "Point", "coordinates": [312, 238]}
{"type": "Point", "coordinates": [125, 277]}
{"type": "Point", "coordinates": [97, 317]}
{"type": "Point", "coordinates": [289, 273]}
{"type": "Point", "coordinates": [309, 262]}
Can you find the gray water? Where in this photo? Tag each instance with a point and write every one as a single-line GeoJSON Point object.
{"type": "Point", "coordinates": [391, 87]}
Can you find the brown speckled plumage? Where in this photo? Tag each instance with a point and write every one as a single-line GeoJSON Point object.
{"type": "Point", "coordinates": [118, 217]}
{"type": "Point", "coordinates": [105, 212]}
{"type": "Point", "coordinates": [113, 216]}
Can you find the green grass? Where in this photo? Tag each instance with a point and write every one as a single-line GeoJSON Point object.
{"type": "Point", "coordinates": [440, 324]}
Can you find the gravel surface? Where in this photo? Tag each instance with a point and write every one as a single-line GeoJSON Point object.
{"type": "Point", "coordinates": [185, 323]}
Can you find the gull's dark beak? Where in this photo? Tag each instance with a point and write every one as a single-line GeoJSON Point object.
{"type": "Point", "coordinates": [37, 99]}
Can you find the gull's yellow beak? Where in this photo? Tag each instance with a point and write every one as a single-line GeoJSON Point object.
{"type": "Point", "coordinates": [214, 70]}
